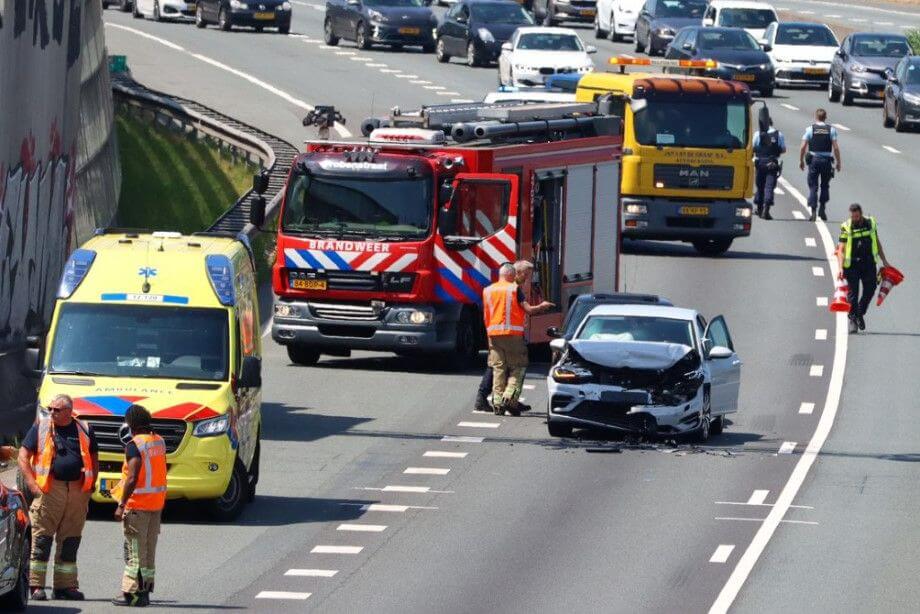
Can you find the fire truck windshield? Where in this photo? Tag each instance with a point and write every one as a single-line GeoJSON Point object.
{"type": "Point", "coordinates": [380, 209]}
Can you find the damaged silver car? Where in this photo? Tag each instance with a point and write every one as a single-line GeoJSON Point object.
{"type": "Point", "coordinates": [651, 370]}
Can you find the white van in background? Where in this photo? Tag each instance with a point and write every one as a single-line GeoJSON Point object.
{"type": "Point", "coordinates": [616, 18]}
{"type": "Point", "coordinates": [754, 17]}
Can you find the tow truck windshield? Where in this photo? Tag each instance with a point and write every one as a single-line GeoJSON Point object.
{"type": "Point", "coordinates": [716, 124]}
{"type": "Point", "coordinates": [141, 341]}
{"type": "Point", "coordinates": [339, 207]}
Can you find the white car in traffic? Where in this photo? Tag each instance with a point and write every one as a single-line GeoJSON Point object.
{"type": "Point", "coordinates": [754, 17]}
{"type": "Point", "coordinates": [652, 370]}
{"type": "Point", "coordinates": [534, 53]}
{"type": "Point", "coordinates": [159, 10]}
{"type": "Point", "coordinates": [801, 52]}
{"type": "Point", "coordinates": [617, 18]}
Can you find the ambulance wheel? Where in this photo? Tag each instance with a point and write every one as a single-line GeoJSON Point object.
{"type": "Point", "coordinates": [229, 505]}
{"type": "Point", "coordinates": [301, 355]}
{"type": "Point", "coordinates": [254, 472]}
{"type": "Point", "coordinates": [712, 247]}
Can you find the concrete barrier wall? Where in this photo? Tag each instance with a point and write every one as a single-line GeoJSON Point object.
{"type": "Point", "coordinates": [59, 174]}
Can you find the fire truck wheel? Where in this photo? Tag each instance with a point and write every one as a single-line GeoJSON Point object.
{"type": "Point", "coordinates": [301, 355]}
{"type": "Point", "coordinates": [465, 347]}
{"type": "Point", "coordinates": [712, 247]}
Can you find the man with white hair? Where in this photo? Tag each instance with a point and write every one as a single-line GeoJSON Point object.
{"type": "Point", "coordinates": [505, 310]}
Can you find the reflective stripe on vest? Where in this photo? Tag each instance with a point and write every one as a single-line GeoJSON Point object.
{"type": "Point", "coordinates": [502, 313]}
{"type": "Point", "coordinates": [43, 458]}
{"type": "Point", "coordinates": [150, 491]}
{"type": "Point", "coordinates": [847, 231]}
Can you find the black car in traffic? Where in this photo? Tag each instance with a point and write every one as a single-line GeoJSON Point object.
{"type": "Point", "coordinates": [739, 56]}
{"type": "Point", "coordinates": [476, 29]}
{"type": "Point", "coordinates": [259, 15]}
{"type": "Point", "coordinates": [660, 20]}
{"type": "Point", "coordinates": [861, 66]}
{"type": "Point", "coordinates": [396, 23]}
{"type": "Point", "coordinates": [901, 109]}
{"type": "Point", "coordinates": [15, 535]}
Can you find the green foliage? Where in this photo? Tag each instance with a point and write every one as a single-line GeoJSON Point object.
{"type": "Point", "coordinates": [914, 37]}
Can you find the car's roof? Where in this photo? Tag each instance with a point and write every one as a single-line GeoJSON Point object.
{"type": "Point", "coordinates": [623, 298]}
{"type": "Point", "coordinates": [878, 35]}
{"type": "Point", "coordinates": [800, 24]}
{"type": "Point", "coordinates": [545, 30]}
{"type": "Point", "coordinates": [648, 311]}
{"type": "Point", "coordinates": [740, 4]}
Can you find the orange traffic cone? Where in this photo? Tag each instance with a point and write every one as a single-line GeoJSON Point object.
{"type": "Point", "coordinates": [890, 277]}
{"type": "Point", "coordinates": [840, 303]}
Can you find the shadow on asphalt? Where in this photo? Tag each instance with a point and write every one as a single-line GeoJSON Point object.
{"type": "Point", "coordinates": [656, 248]}
{"type": "Point", "coordinates": [155, 603]}
{"type": "Point", "coordinates": [399, 364]}
{"type": "Point", "coordinates": [294, 423]}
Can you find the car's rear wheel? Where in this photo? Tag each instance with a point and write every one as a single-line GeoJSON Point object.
{"type": "Point", "coordinates": [705, 428]}
{"type": "Point", "coordinates": [599, 32]}
{"type": "Point", "coordinates": [224, 21]}
{"type": "Point", "coordinates": [230, 505]}
{"type": "Point", "coordinates": [887, 122]}
{"type": "Point", "coordinates": [199, 18]}
{"type": "Point", "coordinates": [712, 247]}
{"type": "Point", "coordinates": [557, 429]}
{"type": "Point", "coordinates": [361, 39]}
{"type": "Point", "coordinates": [329, 36]}
{"type": "Point", "coordinates": [302, 355]}
{"type": "Point", "coordinates": [428, 48]}
{"type": "Point", "coordinates": [440, 52]}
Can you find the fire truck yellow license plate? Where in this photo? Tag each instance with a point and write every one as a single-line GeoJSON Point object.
{"type": "Point", "coordinates": [309, 284]}
{"type": "Point", "coordinates": [409, 30]}
{"type": "Point", "coordinates": [743, 77]}
{"type": "Point", "coordinates": [694, 210]}
{"type": "Point", "coordinates": [264, 16]}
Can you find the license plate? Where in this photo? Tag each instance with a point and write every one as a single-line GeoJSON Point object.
{"type": "Point", "coordinates": [264, 16]}
{"type": "Point", "coordinates": [107, 484]}
{"type": "Point", "coordinates": [587, 13]}
{"type": "Point", "coordinates": [815, 71]}
{"type": "Point", "coordinates": [309, 284]}
{"type": "Point", "coordinates": [410, 31]}
{"type": "Point", "coordinates": [742, 77]}
{"type": "Point", "coordinates": [694, 210]}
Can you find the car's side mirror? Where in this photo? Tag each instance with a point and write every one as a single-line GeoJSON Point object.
{"type": "Point", "coordinates": [719, 352]}
{"type": "Point", "coordinates": [553, 332]}
{"type": "Point", "coordinates": [688, 47]}
{"type": "Point", "coordinates": [558, 345]}
{"type": "Point", "coordinates": [32, 357]}
{"type": "Point", "coordinates": [767, 47]}
{"type": "Point", "coordinates": [590, 49]}
{"type": "Point", "coordinates": [506, 47]}
{"type": "Point", "coordinates": [257, 211]}
{"type": "Point", "coordinates": [251, 372]}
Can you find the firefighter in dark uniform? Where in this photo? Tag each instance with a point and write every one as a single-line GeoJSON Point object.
{"type": "Point", "coordinates": [858, 255]}
{"type": "Point", "coordinates": [769, 145]}
{"type": "Point", "coordinates": [820, 152]}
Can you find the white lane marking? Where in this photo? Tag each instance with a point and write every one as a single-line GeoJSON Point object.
{"type": "Point", "coordinates": [833, 16]}
{"type": "Point", "coordinates": [418, 489]}
{"type": "Point", "coordinates": [817, 271]}
{"type": "Point", "coordinates": [420, 82]}
{"type": "Point", "coordinates": [756, 520]}
{"type": "Point", "coordinates": [479, 425]}
{"type": "Point", "coordinates": [336, 549]}
{"type": "Point", "coordinates": [484, 413]}
{"type": "Point", "coordinates": [390, 70]}
{"type": "Point", "coordinates": [384, 507]}
{"type": "Point", "coordinates": [883, 23]}
{"type": "Point", "coordinates": [758, 497]}
{"type": "Point", "coordinates": [798, 507]}
{"type": "Point", "coordinates": [807, 408]}
{"type": "Point", "coordinates": [283, 595]}
{"type": "Point", "coordinates": [439, 454]}
{"type": "Point", "coordinates": [462, 100]}
{"type": "Point", "coordinates": [779, 191]}
{"type": "Point", "coordinates": [522, 399]}
{"type": "Point", "coordinates": [810, 242]}
{"type": "Point", "coordinates": [529, 387]}
{"type": "Point", "coordinates": [831, 404]}
{"type": "Point", "coordinates": [798, 214]}
{"type": "Point", "coordinates": [360, 58]}
{"type": "Point", "coordinates": [342, 130]}
{"type": "Point", "coordinates": [307, 39]}
{"type": "Point", "coordinates": [722, 553]}
{"type": "Point", "coordinates": [816, 371]}
{"type": "Point", "coordinates": [821, 301]}
{"type": "Point", "coordinates": [342, 52]}
{"type": "Point", "coordinates": [268, 327]}
{"type": "Point", "coordinates": [789, 106]}
{"type": "Point", "coordinates": [857, 20]}
{"type": "Point", "coordinates": [434, 87]}
{"type": "Point", "coordinates": [841, 127]}
{"type": "Point", "coordinates": [820, 334]}
{"type": "Point", "coordinates": [327, 48]}
{"type": "Point", "coordinates": [462, 439]}
{"type": "Point", "coordinates": [362, 528]}
{"type": "Point", "coordinates": [407, 76]}
{"type": "Point", "coordinates": [891, 149]}
{"type": "Point", "coordinates": [426, 471]}
{"type": "Point", "coordinates": [806, 12]}
{"type": "Point", "coordinates": [447, 93]}
{"type": "Point", "coordinates": [312, 573]}
{"type": "Point", "coordinates": [377, 65]}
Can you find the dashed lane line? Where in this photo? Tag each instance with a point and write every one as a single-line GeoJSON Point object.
{"type": "Point", "coordinates": [784, 521]}
{"type": "Point", "coordinates": [312, 573]}
{"type": "Point", "coordinates": [821, 301]}
{"type": "Point", "coordinates": [440, 454]}
{"type": "Point", "coordinates": [722, 553]}
{"type": "Point", "coordinates": [434, 87]}
{"type": "Point", "coordinates": [407, 76]}
{"type": "Point", "coordinates": [810, 242]}
{"type": "Point", "coordinates": [890, 149]}
{"type": "Point", "coordinates": [789, 106]}
{"type": "Point", "coordinates": [344, 52]}
{"type": "Point", "coordinates": [820, 334]}
{"type": "Point", "coordinates": [283, 595]}
{"type": "Point", "coordinates": [447, 93]}
{"type": "Point", "coordinates": [420, 82]}
{"type": "Point", "coordinates": [461, 100]}
{"type": "Point", "coordinates": [390, 70]}
{"type": "Point", "coordinates": [857, 20]}
{"type": "Point", "coordinates": [413, 489]}
{"type": "Point", "coordinates": [745, 503]}
{"type": "Point", "coordinates": [841, 127]}
{"type": "Point", "coordinates": [817, 271]}
{"type": "Point", "coordinates": [342, 130]}
{"type": "Point", "coordinates": [336, 549]}
{"type": "Point", "coordinates": [377, 65]}
{"type": "Point", "coordinates": [360, 58]}
{"type": "Point", "coordinates": [816, 371]}
{"type": "Point", "coordinates": [758, 497]}
{"type": "Point", "coordinates": [362, 528]}
{"type": "Point", "coordinates": [807, 408]}
{"type": "Point", "coordinates": [788, 447]}
{"type": "Point", "coordinates": [798, 214]}
{"type": "Point", "coordinates": [479, 425]}
{"type": "Point", "coordinates": [426, 471]}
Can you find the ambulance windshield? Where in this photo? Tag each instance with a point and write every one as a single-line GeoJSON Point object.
{"type": "Point", "coordinates": [342, 207]}
{"type": "Point", "coordinates": [120, 340]}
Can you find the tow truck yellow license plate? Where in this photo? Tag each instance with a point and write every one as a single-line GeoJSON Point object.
{"type": "Point", "coordinates": [264, 16]}
{"type": "Point", "coordinates": [743, 77]}
{"type": "Point", "coordinates": [694, 210]}
{"type": "Point", "coordinates": [309, 284]}
{"type": "Point", "coordinates": [409, 31]}
{"type": "Point", "coordinates": [815, 71]}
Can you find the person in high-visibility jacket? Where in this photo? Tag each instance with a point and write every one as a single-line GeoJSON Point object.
{"type": "Point", "coordinates": [858, 255]}
{"type": "Point", "coordinates": [505, 311]}
{"type": "Point", "coordinates": [141, 496]}
{"type": "Point", "coordinates": [59, 462]}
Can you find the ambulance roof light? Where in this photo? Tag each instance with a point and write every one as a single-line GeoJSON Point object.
{"type": "Point", "coordinates": [220, 273]}
{"type": "Point", "coordinates": [75, 271]}
{"type": "Point", "coordinates": [415, 136]}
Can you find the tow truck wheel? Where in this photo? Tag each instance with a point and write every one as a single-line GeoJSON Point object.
{"type": "Point", "coordinates": [558, 430]}
{"type": "Point", "coordinates": [712, 247]}
{"type": "Point", "coordinates": [440, 53]}
{"type": "Point", "coordinates": [329, 36]}
{"type": "Point", "coordinates": [301, 355]}
{"type": "Point", "coordinates": [229, 505]}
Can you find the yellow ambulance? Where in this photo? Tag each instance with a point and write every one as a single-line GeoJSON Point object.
{"type": "Point", "coordinates": [170, 322]}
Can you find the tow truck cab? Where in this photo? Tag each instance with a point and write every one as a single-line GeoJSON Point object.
{"type": "Point", "coordinates": [687, 170]}
{"type": "Point", "coordinates": [169, 322]}
{"type": "Point", "coordinates": [386, 243]}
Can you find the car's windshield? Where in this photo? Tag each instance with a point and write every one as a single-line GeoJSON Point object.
{"type": "Point", "coordinates": [487, 13]}
{"type": "Point", "coordinates": [395, 3]}
{"type": "Point", "coordinates": [880, 46]}
{"type": "Point", "coordinates": [726, 40]}
{"type": "Point", "coordinates": [121, 340]}
{"type": "Point", "coordinates": [805, 35]}
{"type": "Point", "coordinates": [539, 41]}
{"type": "Point", "coordinates": [913, 75]}
{"type": "Point", "coordinates": [703, 123]}
{"type": "Point", "coordinates": [637, 328]}
{"type": "Point", "coordinates": [680, 8]}
{"type": "Point", "coordinates": [746, 18]}
{"type": "Point", "coordinates": [363, 206]}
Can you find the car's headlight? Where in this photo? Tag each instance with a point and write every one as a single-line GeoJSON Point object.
{"type": "Point", "coordinates": [665, 31]}
{"type": "Point", "coordinates": [286, 6]}
{"type": "Point", "coordinates": [485, 35]}
{"type": "Point", "coordinates": [571, 373]}
{"type": "Point", "coordinates": [414, 316]}
{"type": "Point", "coordinates": [743, 212]}
{"type": "Point", "coordinates": [764, 67]}
{"type": "Point", "coordinates": [212, 426]}
{"type": "Point", "coordinates": [857, 67]}
{"type": "Point", "coordinates": [635, 209]}
{"type": "Point", "coordinates": [286, 310]}
{"type": "Point", "coordinates": [912, 98]}
{"type": "Point", "coordinates": [376, 15]}
{"type": "Point", "coordinates": [236, 4]}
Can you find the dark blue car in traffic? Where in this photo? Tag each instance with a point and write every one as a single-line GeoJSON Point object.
{"type": "Point", "coordinates": [476, 29]}
{"type": "Point", "coordinates": [396, 23]}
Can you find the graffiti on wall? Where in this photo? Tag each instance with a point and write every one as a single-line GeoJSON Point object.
{"type": "Point", "coordinates": [44, 20]}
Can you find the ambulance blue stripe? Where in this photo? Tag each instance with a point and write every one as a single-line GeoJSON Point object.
{"type": "Point", "coordinates": [459, 285]}
{"type": "Point", "coordinates": [175, 300]}
{"type": "Point", "coordinates": [338, 260]}
{"type": "Point", "coordinates": [116, 405]}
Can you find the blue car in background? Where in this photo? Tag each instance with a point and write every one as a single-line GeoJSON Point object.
{"type": "Point", "coordinates": [476, 29]}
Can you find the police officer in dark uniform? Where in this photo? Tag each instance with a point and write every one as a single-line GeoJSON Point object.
{"type": "Point", "coordinates": [769, 145]}
{"type": "Point", "coordinates": [820, 152]}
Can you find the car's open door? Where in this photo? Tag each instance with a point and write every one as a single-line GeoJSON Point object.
{"type": "Point", "coordinates": [724, 367]}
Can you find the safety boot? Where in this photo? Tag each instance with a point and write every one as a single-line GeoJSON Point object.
{"type": "Point", "coordinates": [37, 593]}
{"type": "Point", "coordinates": [766, 214]}
{"type": "Point", "coordinates": [68, 594]}
{"type": "Point", "coordinates": [853, 327]}
{"type": "Point", "coordinates": [814, 215]}
{"type": "Point", "coordinates": [131, 600]}
{"type": "Point", "coordinates": [861, 322]}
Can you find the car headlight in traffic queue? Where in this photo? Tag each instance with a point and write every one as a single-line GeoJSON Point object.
{"type": "Point", "coordinates": [665, 32]}
{"type": "Point", "coordinates": [636, 209]}
{"type": "Point", "coordinates": [485, 35]}
{"type": "Point", "coordinates": [743, 212]}
{"type": "Point", "coordinates": [286, 310]}
{"type": "Point", "coordinates": [572, 373]}
{"type": "Point", "coordinates": [414, 316]}
{"type": "Point", "coordinates": [377, 16]}
{"type": "Point", "coordinates": [212, 426]}
{"type": "Point", "coordinates": [857, 67]}
{"type": "Point", "coordinates": [286, 6]}
{"type": "Point", "coordinates": [764, 67]}
{"type": "Point", "coordinates": [236, 4]}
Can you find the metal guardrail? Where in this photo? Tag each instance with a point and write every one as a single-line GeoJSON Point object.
{"type": "Point", "coordinates": [274, 154]}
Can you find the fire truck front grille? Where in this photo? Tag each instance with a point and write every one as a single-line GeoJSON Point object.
{"type": "Point", "coordinates": [106, 431]}
{"type": "Point", "coordinates": [353, 280]}
{"type": "Point", "coordinates": [694, 177]}
{"type": "Point", "coordinates": [331, 311]}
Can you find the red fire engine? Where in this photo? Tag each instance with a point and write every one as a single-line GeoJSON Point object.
{"type": "Point", "coordinates": [386, 243]}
